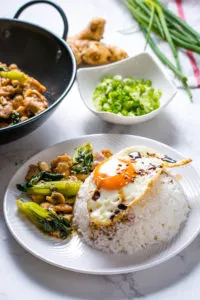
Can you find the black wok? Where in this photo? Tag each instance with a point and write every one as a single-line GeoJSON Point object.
{"type": "Point", "coordinates": [40, 54]}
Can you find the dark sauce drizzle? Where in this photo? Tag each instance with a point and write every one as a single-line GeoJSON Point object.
{"type": "Point", "coordinates": [122, 206]}
{"type": "Point", "coordinates": [164, 158]}
{"type": "Point", "coordinates": [96, 195]}
{"type": "Point", "coordinates": [135, 155]}
{"type": "Point", "coordinates": [168, 159]}
{"type": "Point", "coordinates": [151, 167]}
{"type": "Point", "coordinates": [112, 217]}
{"type": "Point", "coordinates": [141, 172]}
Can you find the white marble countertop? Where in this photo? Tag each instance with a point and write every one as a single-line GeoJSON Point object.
{"type": "Point", "coordinates": [23, 276]}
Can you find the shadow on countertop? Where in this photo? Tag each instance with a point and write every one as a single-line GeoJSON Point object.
{"type": "Point", "coordinates": [149, 129]}
{"type": "Point", "coordinates": [55, 131]}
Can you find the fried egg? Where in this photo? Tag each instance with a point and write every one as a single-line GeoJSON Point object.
{"type": "Point", "coordinates": [122, 180]}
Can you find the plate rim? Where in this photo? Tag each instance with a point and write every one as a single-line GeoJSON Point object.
{"type": "Point", "coordinates": [117, 270]}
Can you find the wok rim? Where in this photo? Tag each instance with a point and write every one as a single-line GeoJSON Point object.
{"type": "Point", "coordinates": [68, 87]}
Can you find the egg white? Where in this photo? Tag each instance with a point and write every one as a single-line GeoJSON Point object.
{"type": "Point", "coordinates": [107, 208]}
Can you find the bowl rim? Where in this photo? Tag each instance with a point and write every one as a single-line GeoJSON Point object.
{"type": "Point", "coordinates": [121, 117]}
{"type": "Point", "coordinates": [67, 89]}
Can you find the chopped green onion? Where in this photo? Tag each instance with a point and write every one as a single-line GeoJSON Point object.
{"type": "Point", "coordinates": [126, 96]}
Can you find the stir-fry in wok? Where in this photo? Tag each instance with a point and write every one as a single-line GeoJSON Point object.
{"type": "Point", "coordinates": [21, 96]}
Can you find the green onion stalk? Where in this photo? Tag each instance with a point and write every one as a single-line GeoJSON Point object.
{"type": "Point", "coordinates": [152, 16]}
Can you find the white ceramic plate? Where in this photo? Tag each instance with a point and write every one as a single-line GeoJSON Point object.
{"type": "Point", "coordinates": [74, 254]}
{"type": "Point", "coordinates": [142, 65]}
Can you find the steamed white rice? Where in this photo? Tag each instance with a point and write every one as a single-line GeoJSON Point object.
{"type": "Point", "coordinates": [156, 218]}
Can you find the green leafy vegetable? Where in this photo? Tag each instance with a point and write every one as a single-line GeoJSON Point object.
{"type": "Point", "coordinates": [43, 175]}
{"type": "Point", "coordinates": [126, 96]}
{"type": "Point", "coordinates": [82, 159]}
{"type": "Point", "coordinates": [68, 187]}
{"type": "Point", "coordinates": [45, 220]}
{"type": "Point", "coordinates": [46, 176]}
{"type": "Point", "coordinates": [15, 117]}
{"type": "Point", "coordinates": [4, 69]}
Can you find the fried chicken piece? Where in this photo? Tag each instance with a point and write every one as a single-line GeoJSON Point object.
{"type": "Point", "coordinates": [82, 177]}
{"type": "Point", "coordinates": [101, 156]}
{"type": "Point", "coordinates": [32, 170]}
{"type": "Point", "coordinates": [37, 198]}
{"type": "Point", "coordinates": [43, 166]}
{"type": "Point", "coordinates": [62, 164]}
{"type": "Point", "coordinates": [5, 110]}
{"type": "Point", "coordinates": [17, 101]}
{"type": "Point", "coordinates": [34, 106]}
{"type": "Point", "coordinates": [3, 124]}
{"type": "Point", "coordinates": [68, 217]}
{"type": "Point", "coordinates": [64, 208]}
{"type": "Point", "coordinates": [34, 102]}
{"type": "Point", "coordinates": [106, 153]}
{"type": "Point", "coordinates": [46, 205]}
{"type": "Point", "coordinates": [56, 198]}
{"type": "Point", "coordinates": [10, 90]}
{"type": "Point", "coordinates": [34, 84]}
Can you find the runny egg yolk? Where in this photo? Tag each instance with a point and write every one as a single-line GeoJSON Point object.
{"type": "Point", "coordinates": [114, 174]}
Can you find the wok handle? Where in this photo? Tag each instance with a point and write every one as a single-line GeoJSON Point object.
{"type": "Point", "coordinates": [56, 6]}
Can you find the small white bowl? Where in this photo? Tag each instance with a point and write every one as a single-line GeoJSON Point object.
{"type": "Point", "coordinates": [139, 66]}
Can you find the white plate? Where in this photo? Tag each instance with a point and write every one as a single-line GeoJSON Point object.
{"type": "Point", "coordinates": [74, 254]}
